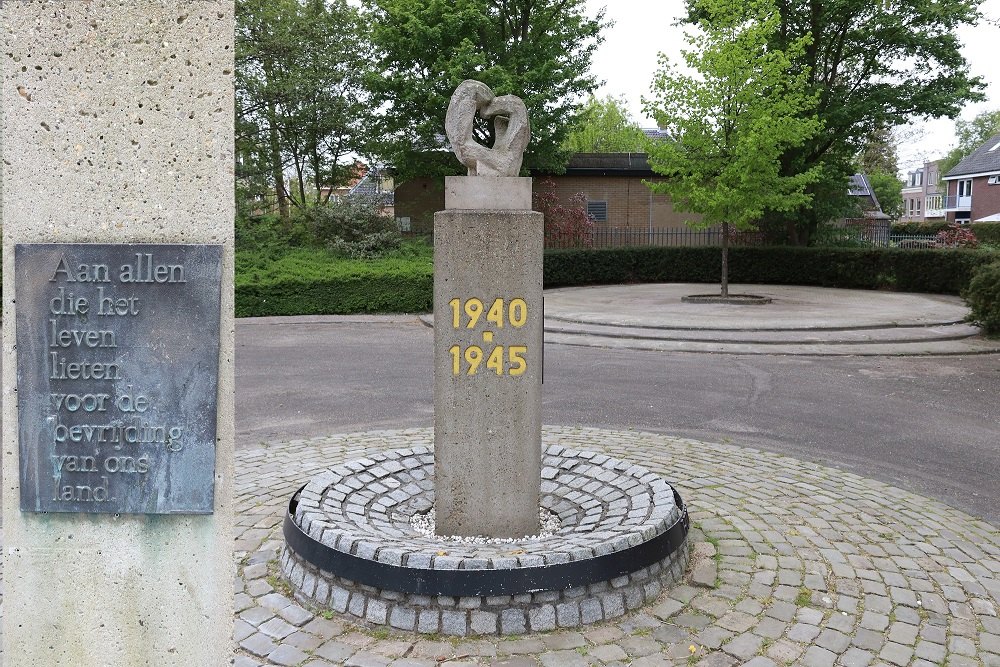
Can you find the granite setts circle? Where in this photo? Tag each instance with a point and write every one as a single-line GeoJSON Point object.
{"type": "Point", "coordinates": [606, 506]}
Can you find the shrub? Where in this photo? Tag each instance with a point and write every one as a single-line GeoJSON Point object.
{"type": "Point", "coordinates": [268, 232]}
{"type": "Point", "coordinates": [832, 236]}
{"type": "Point", "coordinates": [987, 232]}
{"type": "Point", "coordinates": [918, 228]}
{"type": "Point", "coordinates": [983, 298]}
{"type": "Point", "coordinates": [567, 225]}
{"type": "Point", "coordinates": [310, 282]}
{"type": "Point", "coordinates": [943, 271]}
{"type": "Point", "coordinates": [353, 227]}
{"type": "Point", "coordinates": [956, 236]}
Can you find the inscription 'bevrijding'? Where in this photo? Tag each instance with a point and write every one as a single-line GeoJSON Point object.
{"type": "Point", "coordinates": [117, 409]}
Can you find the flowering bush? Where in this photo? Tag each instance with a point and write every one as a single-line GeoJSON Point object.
{"type": "Point", "coordinates": [956, 236]}
{"type": "Point", "coordinates": [567, 225]}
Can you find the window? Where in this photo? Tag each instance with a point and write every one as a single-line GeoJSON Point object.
{"type": "Point", "coordinates": [917, 202]}
{"type": "Point", "coordinates": [403, 223]}
{"type": "Point", "coordinates": [994, 180]}
{"type": "Point", "coordinates": [916, 178]}
{"type": "Point", "coordinates": [598, 210]}
{"type": "Point", "coordinates": [965, 188]}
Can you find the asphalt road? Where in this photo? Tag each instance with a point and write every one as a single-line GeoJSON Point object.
{"type": "Point", "coordinates": [928, 425]}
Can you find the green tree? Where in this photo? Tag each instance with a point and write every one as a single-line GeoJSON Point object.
{"type": "Point", "coordinates": [606, 127]}
{"type": "Point", "coordinates": [873, 65]}
{"type": "Point", "coordinates": [879, 154]}
{"type": "Point", "coordinates": [889, 192]}
{"type": "Point", "coordinates": [971, 134]}
{"type": "Point", "coordinates": [731, 121]}
{"type": "Point", "coordinates": [300, 101]}
{"type": "Point", "coordinates": [539, 50]}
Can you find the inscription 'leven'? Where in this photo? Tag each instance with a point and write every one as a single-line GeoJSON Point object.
{"type": "Point", "coordinates": [118, 410]}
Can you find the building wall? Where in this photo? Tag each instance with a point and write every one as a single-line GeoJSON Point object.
{"type": "Point", "coordinates": [418, 200]}
{"type": "Point", "coordinates": [630, 202]}
{"type": "Point", "coordinates": [912, 197]}
{"type": "Point", "coordinates": [985, 198]}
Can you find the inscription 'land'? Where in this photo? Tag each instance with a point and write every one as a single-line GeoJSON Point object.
{"type": "Point", "coordinates": [117, 376]}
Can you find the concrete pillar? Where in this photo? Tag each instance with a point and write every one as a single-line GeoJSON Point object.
{"type": "Point", "coordinates": [117, 128]}
{"type": "Point", "coordinates": [487, 358]}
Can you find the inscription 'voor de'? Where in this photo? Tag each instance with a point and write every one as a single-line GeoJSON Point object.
{"type": "Point", "coordinates": [144, 270]}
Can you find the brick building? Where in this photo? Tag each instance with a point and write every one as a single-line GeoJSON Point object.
{"type": "Point", "coordinates": [923, 194]}
{"type": "Point", "coordinates": [974, 185]}
{"type": "Point", "coordinates": [612, 183]}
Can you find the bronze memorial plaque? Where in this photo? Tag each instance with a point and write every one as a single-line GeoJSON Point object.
{"type": "Point", "coordinates": [117, 376]}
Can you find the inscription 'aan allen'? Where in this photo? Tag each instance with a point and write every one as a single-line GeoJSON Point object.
{"type": "Point", "coordinates": [144, 270]}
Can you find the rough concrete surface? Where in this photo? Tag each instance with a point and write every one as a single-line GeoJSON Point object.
{"type": "Point", "coordinates": [117, 126]}
{"type": "Point", "coordinates": [482, 193]}
{"type": "Point", "coordinates": [488, 371]}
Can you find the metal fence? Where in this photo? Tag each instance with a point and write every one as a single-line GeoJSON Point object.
{"type": "Point", "coordinates": [620, 237]}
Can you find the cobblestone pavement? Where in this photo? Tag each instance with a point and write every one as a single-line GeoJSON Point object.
{"type": "Point", "coordinates": [794, 563]}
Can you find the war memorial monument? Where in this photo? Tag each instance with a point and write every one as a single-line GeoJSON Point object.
{"type": "Point", "coordinates": [486, 533]}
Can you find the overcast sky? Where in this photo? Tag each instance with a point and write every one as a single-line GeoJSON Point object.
{"type": "Point", "coordinates": [626, 62]}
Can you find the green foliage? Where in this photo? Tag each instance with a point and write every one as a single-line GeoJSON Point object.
{"type": "Point", "coordinates": [836, 236]}
{"type": "Point", "coordinates": [971, 135]}
{"type": "Point", "coordinates": [312, 281]}
{"type": "Point", "coordinates": [539, 50]}
{"type": "Point", "coordinates": [879, 154]}
{"type": "Point", "coordinates": [936, 271]}
{"type": "Point", "coordinates": [918, 228]}
{"type": "Point", "coordinates": [731, 122]}
{"type": "Point", "coordinates": [353, 227]}
{"type": "Point", "coordinates": [268, 235]}
{"type": "Point", "coordinates": [606, 127]}
{"type": "Point", "coordinates": [987, 232]}
{"type": "Point", "coordinates": [300, 102]}
{"type": "Point", "coordinates": [861, 64]}
{"type": "Point", "coordinates": [889, 192]}
{"type": "Point", "coordinates": [983, 298]}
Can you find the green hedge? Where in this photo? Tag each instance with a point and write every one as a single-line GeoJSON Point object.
{"type": "Point", "coordinates": [932, 270]}
{"type": "Point", "coordinates": [308, 283]}
{"type": "Point", "coordinates": [918, 228]}
{"type": "Point", "coordinates": [987, 232]}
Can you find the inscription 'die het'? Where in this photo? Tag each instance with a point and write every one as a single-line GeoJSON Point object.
{"type": "Point", "coordinates": [120, 416]}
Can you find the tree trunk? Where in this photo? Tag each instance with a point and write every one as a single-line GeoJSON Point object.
{"type": "Point", "coordinates": [275, 156]}
{"type": "Point", "coordinates": [725, 259]}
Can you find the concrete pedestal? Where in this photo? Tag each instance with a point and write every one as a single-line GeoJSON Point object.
{"type": "Point", "coordinates": [487, 361]}
{"type": "Point", "coordinates": [117, 127]}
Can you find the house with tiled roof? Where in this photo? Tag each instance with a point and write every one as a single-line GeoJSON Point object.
{"type": "Point", "coordinates": [974, 185]}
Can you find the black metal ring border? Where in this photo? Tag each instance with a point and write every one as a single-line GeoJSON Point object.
{"type": "Point", "coordinates": [470, 583]}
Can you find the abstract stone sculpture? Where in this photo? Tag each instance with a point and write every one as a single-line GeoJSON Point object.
{"type": "Point", "coordinates": [510, 121]}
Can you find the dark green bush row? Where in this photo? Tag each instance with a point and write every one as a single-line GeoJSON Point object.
{"type": "Point", "coordinates": [310, 282]}
{"type": "Point", "coordinates": [937, 271]}
{"type": "Point", "coordinates": [987, 232]}
{"type": "Point", "coordinates": [307, 283]}
{"type": "Point", "coordinates": [983, 297]}
{"type": "Point", "coordinates": [376, 293]}
{"type": "Point", "coordinates": [915, 228]}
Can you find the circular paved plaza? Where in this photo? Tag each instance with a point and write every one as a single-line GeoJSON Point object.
{"type": "Point", "coordinates": [793, 564]}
